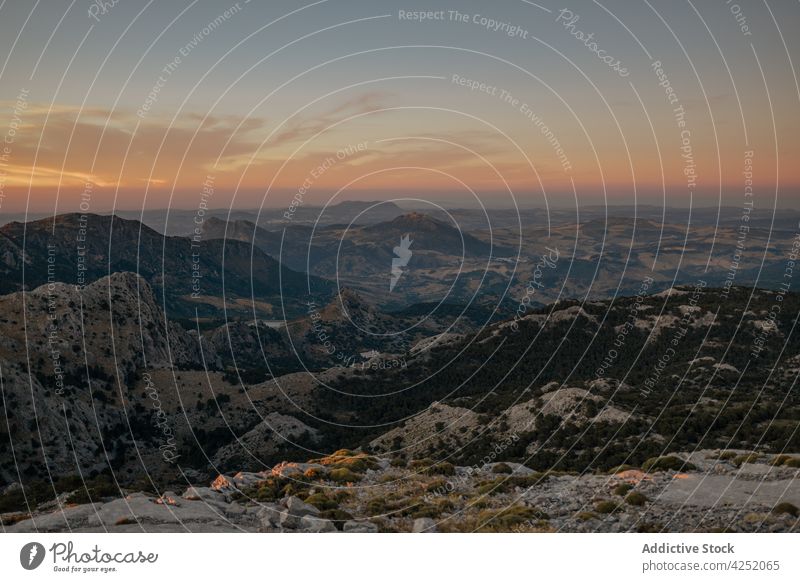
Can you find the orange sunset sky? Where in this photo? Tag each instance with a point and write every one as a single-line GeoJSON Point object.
{"type": "Point", "coordinates": [355, 99]}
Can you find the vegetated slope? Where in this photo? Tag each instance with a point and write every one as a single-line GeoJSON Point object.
{"type": "Point", "coordinates": [192, 275]}
{"type": "Point", "coordinates": [576, 396]}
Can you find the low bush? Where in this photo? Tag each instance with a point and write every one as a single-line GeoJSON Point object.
{"type": "Point", "coordinates": [668, 463]}
{"type": "Point", "coordinates": [786, 508]}
{"type": "Point", "coordinates": [343, 475]}
{"type": "Point", "coordinates": [726, 455]}
{"type": "Point", "coordinates": [321, 501]}
{"type": "Point", "coordinates": [506, 484]}
{"type": "Point", "coordinates": [740, 460]}
{"type": "Point", "coordinates": [607, 506]}
{"type": "Point", "coordinates": [779, 460]}
{"type": "Point", "coordinates": [506, 519]}
{"type": "Point", "coordinates": [337, 516]}
{"type": "Point", "coordinates": [622, 489]}
{"type": "Point", "coordinates": [636, 498]}
{"type": "Point", "coordinates": [443, 468]}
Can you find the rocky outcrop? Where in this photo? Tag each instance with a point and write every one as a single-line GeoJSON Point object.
{"type": "Point", "coordinates": [730, 490]}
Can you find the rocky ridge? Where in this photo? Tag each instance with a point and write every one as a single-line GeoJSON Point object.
{"type": "Point", "coordinates": [702, 491]}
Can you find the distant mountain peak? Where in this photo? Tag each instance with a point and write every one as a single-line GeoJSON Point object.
{"type": "Point", "coordinates": [419, 221]}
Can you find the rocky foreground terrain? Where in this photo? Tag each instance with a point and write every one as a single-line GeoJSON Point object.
{"type": "Point", "coordinates": [705, 491]}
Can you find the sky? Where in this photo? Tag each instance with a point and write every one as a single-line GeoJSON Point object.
{"type": "Point", "coordinates": [135, 104]}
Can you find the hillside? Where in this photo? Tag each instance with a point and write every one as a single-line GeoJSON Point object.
{"type": "Point", "coordinates": [190, 274]}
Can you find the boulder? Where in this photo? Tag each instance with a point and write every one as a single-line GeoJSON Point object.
{"type": "Point", "coordinates": [201, 493]}
{"type": "Point", "coordinates": [269, 516]}
{"type": "Point", "coordinates": [312, 524]}
{"type": "Point", "coordinates": [300, 508]}
{"type": "Point", "coordinates": [288, 521]}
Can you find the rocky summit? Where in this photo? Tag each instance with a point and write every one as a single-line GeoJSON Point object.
{"type": "Point", "coordinates": [352, 492]}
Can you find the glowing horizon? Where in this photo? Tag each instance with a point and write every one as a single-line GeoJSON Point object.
{"type": "Point", "coordinates": [368, 101]}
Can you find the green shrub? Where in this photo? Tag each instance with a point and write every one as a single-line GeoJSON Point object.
{"type": "Point", "coordinates": [347, 459]}
{"type": "Point", "coordinates": [417, 464]}
{"type": "Point", "coordinates": [95, 490]}
{"type": "Point", "coordinates": [747, 458]}
{"type": "Point", "coordinates": [343, 475]}
{"type": "Point", "coordinates": [314, 473]}
{"type": "Point", "coordinates": [726, 455]}
{"type": "Point", "coordinates": [636, 498]}
{"type": "Point", "coordinates": [321, 501]}
{"type": "Point", "coordinates": [377, 506]}
{"type": "Point", "coordinates": [443, 468]}
{"type": "Point", "coordinates": [337, 516]}
{"type": "Point", "coordinates": [779, 460]}
{"type": "Point", "coordinates": [436, 486]}
{"type": "Point", "coordinates": [502, 468]}
{"type": "Point", "coordinates": [506, 484]}
{"type": "Point", "coordinates": [431, 511]}
{"type": "Point", "coordinates": [507, 518]}
{"type": "Point", "coordinates": [668, 463]}
{"type": "Point", "coordinates": [586, 515]}
{"type": "Point", "coordinates": [786, 507]}
{"type": "Point", "coordinates": [793, 463]}
{"type": "Point", "coordinates": [266, 493]}
{"type": "Point", "coordinates": [622, 489]}
{"type": "Point", "coordinates": [620, 469]}
{"type": "Point", "coordinates": [607, 506]}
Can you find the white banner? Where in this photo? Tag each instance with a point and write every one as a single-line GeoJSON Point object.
{"type": "Point", "coordinates": [356, 557]}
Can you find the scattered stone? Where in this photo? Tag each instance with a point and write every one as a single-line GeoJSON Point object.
{"type": "Point", "coordinates": [312, 524]}
{"type": "Point", "coordinates": [300, 508]}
